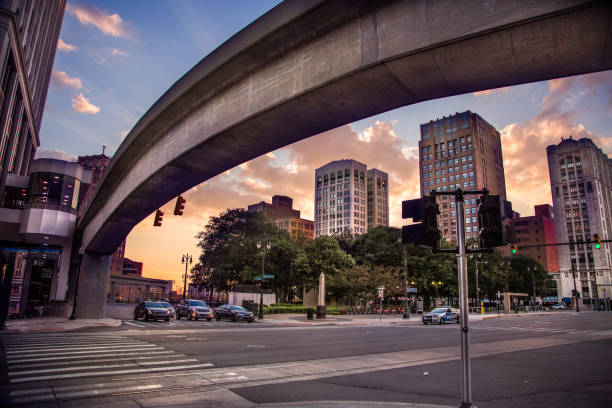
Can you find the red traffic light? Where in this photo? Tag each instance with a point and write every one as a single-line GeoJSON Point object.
{"type": "Point", "coordinates": [179, 206]}
{"type": "Point", "coordinates": [159, 216]}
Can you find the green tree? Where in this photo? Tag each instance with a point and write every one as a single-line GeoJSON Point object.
{"type": "Point", "coordinates": [325, 256]}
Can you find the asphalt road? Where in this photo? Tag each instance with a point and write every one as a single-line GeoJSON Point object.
{"type": "Point", "coordinates": [527, 361]}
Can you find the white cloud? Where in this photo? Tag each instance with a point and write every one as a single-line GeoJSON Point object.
{"type": "Point", "coordinates": [120, 53]}
{"type": "Point", "coordinates": [108, 24]}
{"type": "Point", "coordinates": [62, 80]}
{"type": "Point", "coordinates": [65, 47]}
{"type": "Point", "coordinates": [80, 104]}
{"type": "Point", "coordinates": [55, 154]}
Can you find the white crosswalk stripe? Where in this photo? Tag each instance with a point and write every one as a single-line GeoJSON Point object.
{"type": "Point", "coordinates": [543, 330]}
{"type": "Point", "coordinates": [48, 357]}
{"type": "Point", "coordinates": [169, 325]}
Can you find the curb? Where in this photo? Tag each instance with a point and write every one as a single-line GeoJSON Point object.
{"type": "Point", "coordinates": [56, 329]}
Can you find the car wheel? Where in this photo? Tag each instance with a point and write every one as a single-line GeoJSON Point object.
{"type": "Point", "coordinates": [234, 319]}
{"type": "Point", "coordinates": [178, 316]}
{"type": "Point", "coordinates": [209, 319]}
{"type": "Point", "coordinates": [196, 318]}
{"type": "Point", "coordinates": [424, 322]}
{"type": "Point", "coordinates": [189, 317]}
{"type": "Point", "coordinates": [441, 321]}
{"type": "Point", "coordinates": [135, 316]}
{"type": "Point", "coordinates": [217, 318]}
{"type": "Point", "coordinates": [251, 321]}
{"type": "Point", "coordinates": [146, 317]}
{"type": "Point", "coordinates": [167, 319]}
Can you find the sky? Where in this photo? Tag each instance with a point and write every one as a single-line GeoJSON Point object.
{"type": "Point", "coordinates": [116, 58]}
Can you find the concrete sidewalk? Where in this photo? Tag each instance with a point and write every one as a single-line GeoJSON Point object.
{"type": "Point", "coordinates": [52, 324]}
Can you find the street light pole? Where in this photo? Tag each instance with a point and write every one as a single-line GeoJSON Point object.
{"type": "Point", "coordinates": [575, 289]}
{"type": "Point", "coordinates": [263, 246]}
{"type": "Point", "coordinates": [187, 259]}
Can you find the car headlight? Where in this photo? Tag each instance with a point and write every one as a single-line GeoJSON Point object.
{"type": "Point", "coordinates": [149, 312]}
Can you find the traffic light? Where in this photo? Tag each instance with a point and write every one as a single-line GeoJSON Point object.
{"type": "Point", "coordinates": [597, 240]}
{"type": "Point", "coordinates": [491, 212]}
{"type": "Point", "coordinates": [159, 216]}
{"type": "Point", "coordinates": [425, 233]}
{"type": "Point", "coordinates": [180, 205]}
{"type": "Point", "coordinates": [514, 249]}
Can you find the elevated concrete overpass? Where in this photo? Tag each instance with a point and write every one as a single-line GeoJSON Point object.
{"type": "Point", "coordinates": [311, 65]}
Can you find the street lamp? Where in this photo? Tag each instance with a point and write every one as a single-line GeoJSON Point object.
{"type": "Point", "coordinates": [263, 246]}
{"type": "Point", "coordinates": [531, 269]}
{"type": "Point", "coordinates": [575, 289]}
{"type": "Point", "coordinates": [436, 285]}
{"type": "Point", "coordinates": [187, 259]}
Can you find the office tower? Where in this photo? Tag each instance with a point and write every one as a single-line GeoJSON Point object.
{"type": "Point", "coordinates": [581, 187]}
{"type": "Point", "coordinates": [29, 31]}
{"type": "Point", "coordinates": [284, 216]}
{"type": "Point", "coordinates": [460, 151]}
{"type": "Point", "coordinates": [538, 229]}
{"type": "Point", "coordinates": [341, 192]}
{"type": "Point", "coordinates": [378, 199]}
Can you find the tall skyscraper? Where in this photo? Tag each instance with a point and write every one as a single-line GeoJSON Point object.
{"type": "Point", "coordinates": [460, 151]}
{"type": "Point", "coordinates": [378, 199]}
{"type": "Point", "coordinates": [341, 194]}
{"type": "Point", "coordinates": [581, 187]}
{"type": "Point", "coordinates": [29, 31]}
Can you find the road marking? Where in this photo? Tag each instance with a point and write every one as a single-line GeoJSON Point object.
{"type": "Point", "coordinates": [76, 346]}
{"type": "Point", "coordinates": [94, 359]}
{"type": "Point", "coordinates": [87, 393]}
{"type": "Point", "coordinates": [29, 352]}
{"type": "Point", "coordinates": [37, 359]}
{"type": "Point", "coordinates": [108, 351]}
{"type": "Point", "coordinates": [107, 373]}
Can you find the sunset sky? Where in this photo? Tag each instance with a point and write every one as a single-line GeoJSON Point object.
{"type": "Point", "coordinates": [116, 58]}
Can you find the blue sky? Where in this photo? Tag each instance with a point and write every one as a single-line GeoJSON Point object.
{"type": "Point", "coordinates": [116, 58]}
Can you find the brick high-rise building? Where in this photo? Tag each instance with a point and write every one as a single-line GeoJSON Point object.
{"type": "Point", "coordinates": [97, 163]}
{"type": "Point", "coordinates": [284, 216]}
{"type": "Point", "coordinates": [539, 229]}
{"type": "Point", "coordinates": [341, 193]}
{"type": "Point", "coordinates": [581, 187]}
{"type": "Point", "coordinates": [460, 151]}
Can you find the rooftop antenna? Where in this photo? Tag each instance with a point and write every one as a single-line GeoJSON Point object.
{"type": "Point", "coordinates": [103, 149]}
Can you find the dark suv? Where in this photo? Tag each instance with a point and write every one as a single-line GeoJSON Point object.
{"type": "Point", "coordinates": [193, 310]}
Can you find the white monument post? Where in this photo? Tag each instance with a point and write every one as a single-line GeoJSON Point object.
{"type": "Point", "coordinates": [321, 301]}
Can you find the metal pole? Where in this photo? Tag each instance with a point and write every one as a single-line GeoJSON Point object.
{"type": "Point", "coordinates": [466, 369]}
{"type": "Point", "coordinates": [575, 289]}
{"type": "Point", "coordinates": [406, 313]}
{"type": "Point", "coordinates": [263, 254]}
{"type": "Point", "coordinates": [531, 268]}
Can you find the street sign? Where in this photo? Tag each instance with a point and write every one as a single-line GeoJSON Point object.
{"type": "Point", "coordinates": [381, 291]}
{"type": "Point", "coordinates": [258, 278]}
{"type": "Point", "coordinates": [411, 290]}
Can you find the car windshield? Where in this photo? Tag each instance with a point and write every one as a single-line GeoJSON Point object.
{"type": "Point", "coordinates": [439, 310]}
{"type": "Point", "coordinates": [165, 304]}
{"type": "Point", "coordinates": [198, 303]}
{"type": "Point", "coordinates": [237, 308]}
{"type": "Point", "coordinates": [154, 304]}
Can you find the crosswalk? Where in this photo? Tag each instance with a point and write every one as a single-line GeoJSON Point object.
{"type": "Point", "coordinates": [173, 324]}
{"type": "Point", "coordinates": [38, 359]}
{"type": "Point", "coordinates": [546, 330]}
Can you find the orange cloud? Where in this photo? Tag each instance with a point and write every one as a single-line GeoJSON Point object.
{"type": "Point", "coordinates": [62, 80]}
{"type": "Point", "coordinates": [80, 104]}
{"type": "Point", "coordinates": [109, 24]}
{"type": "Point", "coordinates": [65, 47]}
{"type": "Point", "coordinates": [490, 91]}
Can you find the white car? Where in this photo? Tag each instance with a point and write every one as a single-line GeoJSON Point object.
{"type": "Point", "coordinates": [558, 306]}
{"type": "Point", "coordinates": [441, 315]}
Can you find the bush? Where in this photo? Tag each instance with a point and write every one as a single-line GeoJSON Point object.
{"type": "Point", "coordinates": [293, 308]}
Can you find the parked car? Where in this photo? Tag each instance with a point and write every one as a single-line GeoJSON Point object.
{"type": "Point", "coordinates": [558, 306]}
{"type": "Point", "coordinates": [151, 310]}
{"type": "Point", "coordinates": [234, 313]}
{"type": "Point", "coordinates": [441, 315]}
{"type": "Point", "coordinates": [193, 310]}
{"type": "Point", "coordinates": [170, 308]}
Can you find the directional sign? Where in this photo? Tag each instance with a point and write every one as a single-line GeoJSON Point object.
{"type": "Point", "coordinates": [411, 290]}
{"type": "Point", "coordinates": [258, 278]}
{"type": "Point", "coordinates": [381, 291]}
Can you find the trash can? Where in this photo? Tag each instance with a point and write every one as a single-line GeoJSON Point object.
{"type": "Point", "coordinates": [309, 313]}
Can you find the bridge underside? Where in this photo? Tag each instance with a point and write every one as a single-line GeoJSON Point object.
{"type": "Point", "coordinates": [307, 67]}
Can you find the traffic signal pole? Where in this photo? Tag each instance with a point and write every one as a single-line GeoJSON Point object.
{"type": "Point", "coordinates": [466, 366]}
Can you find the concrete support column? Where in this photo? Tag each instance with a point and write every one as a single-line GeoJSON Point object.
{"type": "Point", "coordinates": [113, 293]}
{"type": "Point", "coordinates": [91, 296]}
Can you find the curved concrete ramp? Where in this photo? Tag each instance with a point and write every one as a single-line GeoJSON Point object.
{"type": "Point", "coordinates": [309, 66]}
